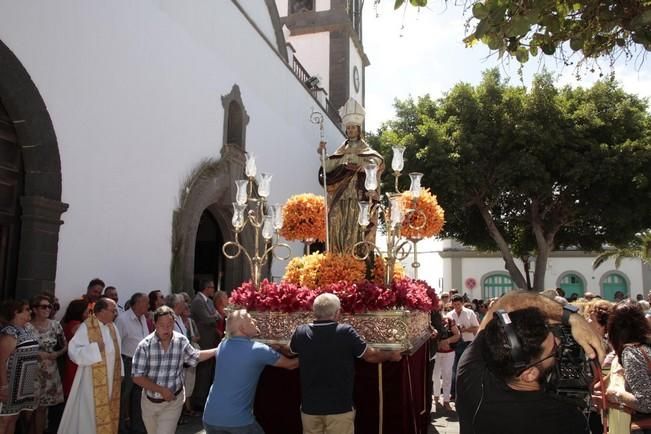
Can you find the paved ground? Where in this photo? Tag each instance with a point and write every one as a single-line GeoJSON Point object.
{"type": "Point", "coordinates": [443, 422]}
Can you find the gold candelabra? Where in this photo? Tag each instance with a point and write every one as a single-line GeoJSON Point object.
{"type": "Point", "coordinates": [266, 221]}
{"type": "Point", "coordinates": [394, 216]}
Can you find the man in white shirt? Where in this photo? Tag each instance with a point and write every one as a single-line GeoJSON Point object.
{"type": "Point", "coordinates": [467, 322]}
{"type": "Point", "coordinates": [132, 326]}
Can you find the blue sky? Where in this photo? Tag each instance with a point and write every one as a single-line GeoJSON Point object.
{"type": "Point", "coordinates": [417, 51]}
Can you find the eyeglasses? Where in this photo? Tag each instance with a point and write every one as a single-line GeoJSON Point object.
{"type": "Point", "coordinates": [44, 306]}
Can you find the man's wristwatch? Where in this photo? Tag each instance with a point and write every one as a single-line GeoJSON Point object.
{"type": "Point", "coordinates": [568, 309]}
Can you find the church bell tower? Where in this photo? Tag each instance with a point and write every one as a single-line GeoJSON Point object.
{"type": "Point", "coordinates": [326, 39]}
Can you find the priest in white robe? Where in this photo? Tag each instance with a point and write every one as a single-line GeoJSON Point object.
{"type": "Point", "coordinates": [93, 406]}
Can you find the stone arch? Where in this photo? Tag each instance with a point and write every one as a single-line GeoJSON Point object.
{"type": "Point", "coordinates": [569, 273]}
{"type": "Point", "coordinates": [235, 118]}
{"type": "Point", "coordinates": [41, 200]}
{"type": "Point", "coordinates": [210, 187]}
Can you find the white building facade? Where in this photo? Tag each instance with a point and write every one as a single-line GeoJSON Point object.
{"type": "Point", "coordinates": [106, 111]}
{"type": "Point", "coordinates": [446, 264]}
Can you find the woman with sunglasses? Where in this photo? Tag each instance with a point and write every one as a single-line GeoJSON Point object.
{"type": "Point", "coordinates": [19, 351]}
{"type": "Point", "coordinates": [49, 335]}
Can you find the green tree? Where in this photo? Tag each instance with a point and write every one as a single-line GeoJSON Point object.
{"type": "Point", "coordinates": [525, 28]}
{"type": "Point", "coordinates": [639, 247]}
{"type": "Point", "coordinates": [526, 172]}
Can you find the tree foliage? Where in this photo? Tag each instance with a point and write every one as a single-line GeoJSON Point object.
{"type": "Point", "coordinates": [639, 248]}
{"type": "Point", "coordinates": [529, 171]}
{"type": "Point", "coordinates": [525, 28]}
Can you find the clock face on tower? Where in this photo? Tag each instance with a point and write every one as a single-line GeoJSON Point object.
{"type": "Point", "coordinates": [356, 78]}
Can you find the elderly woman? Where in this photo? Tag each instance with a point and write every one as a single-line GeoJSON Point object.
{"type": "Point", "coordinates": [49, 335]}
{"type": "Point", "coordinates": [19, 352]}
{"type": "Point", "coordinates": [630, 336]}
{"type": "Point", "coordinates": [597, 313]}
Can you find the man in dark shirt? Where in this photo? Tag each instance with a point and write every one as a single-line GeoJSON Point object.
{"type": "Point", "coordinates": [327, 352]}
{"type": "Point", "coordinates": [497, 396]}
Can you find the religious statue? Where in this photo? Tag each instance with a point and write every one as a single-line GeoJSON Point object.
{"type": "Point", "coordinates": [345, 177]}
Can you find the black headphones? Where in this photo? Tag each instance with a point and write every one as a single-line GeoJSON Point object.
{"type": "Point", "coordinates": [512, 342]}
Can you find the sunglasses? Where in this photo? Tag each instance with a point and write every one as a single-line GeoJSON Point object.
{"type": "Point", "coordinates": [44, 306]}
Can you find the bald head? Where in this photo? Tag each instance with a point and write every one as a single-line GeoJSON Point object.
{"type": "Point", "coordinates": [240, 323]}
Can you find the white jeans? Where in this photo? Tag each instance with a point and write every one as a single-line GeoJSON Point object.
{"type": "Point", "coordinates": [161, 418]}
{"type": "Point", "coordinates": [443, 371]}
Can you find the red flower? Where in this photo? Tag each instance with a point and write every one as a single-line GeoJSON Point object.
{"type": "Point", "coordinates": [355, 298]}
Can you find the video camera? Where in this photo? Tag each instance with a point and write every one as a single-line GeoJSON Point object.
{"type": "Point", "coordinates": [572, 377]}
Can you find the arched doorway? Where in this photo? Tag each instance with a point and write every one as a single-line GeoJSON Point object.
{"type": "Point", "coordinates": [30, 185]}
{"type": "Point", "coordinates": [208, 256]}
{"type": "Point", "coordinates": [496, 285]}
{"type": "Point", "coordinates": [572, 283]}
{"type": "Point", "coordinates": [11, 189]}
{"type": "Point", "coordinates": [612, 283]}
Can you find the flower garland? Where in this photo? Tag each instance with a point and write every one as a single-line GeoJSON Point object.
{"type": "Point", "coordinates": [355, 297]}
{"type": "Point", "coordinates": [428, 218]}
{"type": "Point", "coordinates": [304, 218]}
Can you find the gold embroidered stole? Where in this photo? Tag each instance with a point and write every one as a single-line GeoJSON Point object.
{"type": "Point", "coordinates": [107, 409]}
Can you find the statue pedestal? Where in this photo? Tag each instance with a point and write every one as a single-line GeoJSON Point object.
{"type": "Point", "coordinates": [389, 398]}
{"type": "Point", "coordinates": [397, 329]}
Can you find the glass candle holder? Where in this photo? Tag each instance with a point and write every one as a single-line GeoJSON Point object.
{"type": "Point", "coordinates": [370, 183]}
{"type": "Point", "coordinates": [398, 161]}
{"type": "Point", "coordinates": [264, 185]}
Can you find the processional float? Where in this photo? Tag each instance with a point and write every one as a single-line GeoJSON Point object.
{"type": "Point", "coordinates": [388, 309]}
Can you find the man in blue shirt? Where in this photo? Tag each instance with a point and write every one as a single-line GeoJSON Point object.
{"type": "Point", "coordinates": [240, 361]}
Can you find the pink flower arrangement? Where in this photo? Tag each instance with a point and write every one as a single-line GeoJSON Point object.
{"type": "Point", "coordinates": [355, 297]}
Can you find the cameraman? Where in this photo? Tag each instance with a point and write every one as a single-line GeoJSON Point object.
{"type": "Point", "coordinates": [495, 396]}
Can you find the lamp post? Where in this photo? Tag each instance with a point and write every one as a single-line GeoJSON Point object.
{"type": "Point", "coordinates": [265, 220]}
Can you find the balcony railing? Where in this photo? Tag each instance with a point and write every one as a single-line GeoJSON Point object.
{"type": "Point", "coordinates": [301, 73]}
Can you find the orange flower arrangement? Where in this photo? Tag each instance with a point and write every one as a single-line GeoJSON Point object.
{"type": "Point", "coordinates": [378, 271]}
{"type": "Point", "coordinates": [304, 270]}
{"type": "Point", "coordinates": [304, 218]}
{"type": "Point", "coordinates": [335, 268]}
{"type": "Point", "coordinates": [320, 269]}
{"type": "Point", "coordinates": [426, 223]}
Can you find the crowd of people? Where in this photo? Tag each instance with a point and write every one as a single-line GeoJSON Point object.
{"type": "Point", "coordinates": [75, 375]}
{"type": "Point", "coordinates": [138, 368]}
{"type": "Point", "coordinates": [143, 367]}
{"type": "Point", "coordinates": [505, 351]}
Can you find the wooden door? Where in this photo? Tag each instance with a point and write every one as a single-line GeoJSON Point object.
{"type": "Point", "coordinates": [11, 183]}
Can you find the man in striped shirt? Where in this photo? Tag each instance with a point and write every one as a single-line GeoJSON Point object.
{"type": "Point", "coordinates": [158, 369]}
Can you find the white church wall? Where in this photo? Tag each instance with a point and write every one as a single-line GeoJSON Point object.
{"type": "Point", "coordinates": [133, 90]}
{"type": "Point", "coordinates": [322, 5]}
{"type": "Point", "coordinates": [313, 52]}
{"type": "Point", "coordinates": [259, 13]}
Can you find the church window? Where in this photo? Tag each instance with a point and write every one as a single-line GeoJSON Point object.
{"type": "Point", "coordinates": [298, 6]}
{"type": "Point", "coordinates": [234, 134]}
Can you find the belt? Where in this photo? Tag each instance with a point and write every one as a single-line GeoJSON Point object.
{"type": "Point", "coordinates": [159, 400]}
